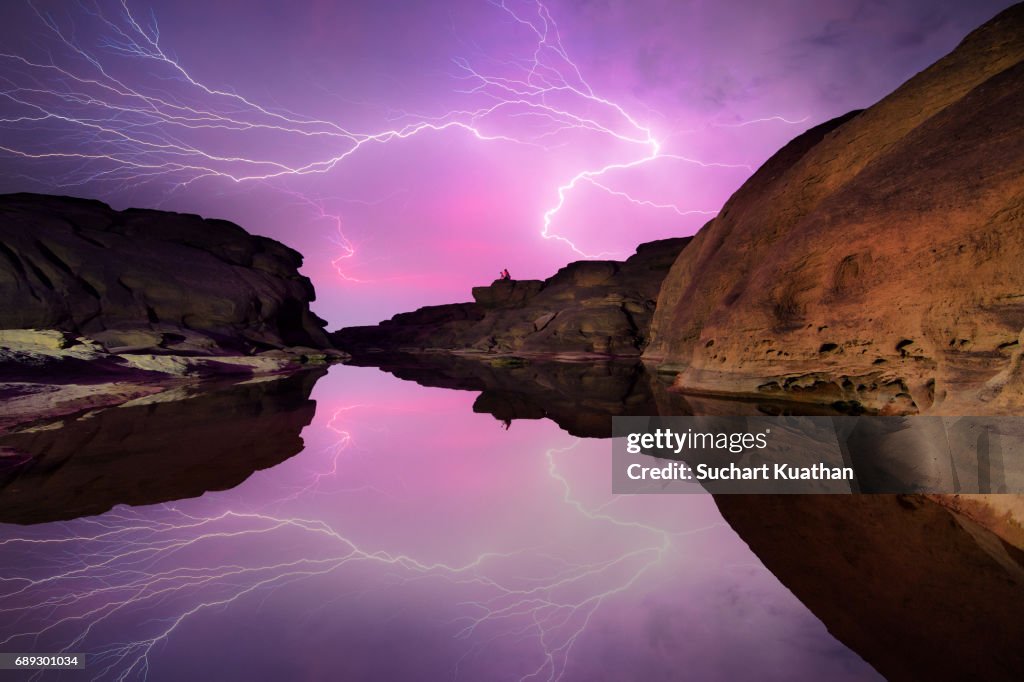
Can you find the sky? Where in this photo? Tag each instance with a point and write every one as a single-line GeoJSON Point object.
{"type": "Point", "coordinates": [411, 150]}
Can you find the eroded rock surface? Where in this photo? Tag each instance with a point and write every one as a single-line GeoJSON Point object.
{"type": "Point", "coordinates": [141, 280]}
{"type": "Point", "coordinates": [587, 307]}
{"type": "Point", "coordinates": [876, 259]}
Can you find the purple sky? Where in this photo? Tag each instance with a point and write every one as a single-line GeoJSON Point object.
{"type": "Point", "coordinates": [495, 112]}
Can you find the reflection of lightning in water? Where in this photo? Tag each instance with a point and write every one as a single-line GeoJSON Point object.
{"type": "Point", "coordinates": [341, 443]}
{"type": "Point", "coordinates": [549, 611]}
{"type": "Point", "coordinates": [150, 572]}
{"type": "Point", "coordinates": [130, 563]}
{"type": "Point", "coordinates": [124, 130]}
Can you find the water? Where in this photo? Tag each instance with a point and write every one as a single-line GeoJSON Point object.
{"type": "Point", "coordinates": [411, 539]}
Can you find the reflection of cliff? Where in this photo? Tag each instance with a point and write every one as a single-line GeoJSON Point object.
{"type": "Point", "coordinates": [171, 446]}
{"type": "Point", "coordinates": [581, 398]}
{"type": "Point", "coordinates": [918, 591]}
{"type": "Point", "coordinates": [920, 587]}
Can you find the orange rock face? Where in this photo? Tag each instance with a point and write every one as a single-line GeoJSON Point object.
{"type": "Point", "coordinates": [877, 260]}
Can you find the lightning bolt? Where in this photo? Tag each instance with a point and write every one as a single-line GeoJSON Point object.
{"type": "Point", "coordinates": [767, 119]}
{"type": "Point", "coordinates": [119, 134]}
{"type": "Point", "coordinates": [80, 583]}
{"type": "Point", "coordinates": [343, 441]}
{"type": "Point", "coordinates": [318, 208]}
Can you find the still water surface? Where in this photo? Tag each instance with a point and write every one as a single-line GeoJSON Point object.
{"type": "Point", "coordinates": [412, 539]}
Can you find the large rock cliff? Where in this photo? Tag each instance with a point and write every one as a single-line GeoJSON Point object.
{"type": "Point", "coordinates": [876, 259]}
{"type": "Point", "coordinates": [153, 280]}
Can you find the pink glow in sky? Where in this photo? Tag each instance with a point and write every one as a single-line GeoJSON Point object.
{"type": "Point", "coordinates": [502, 118]}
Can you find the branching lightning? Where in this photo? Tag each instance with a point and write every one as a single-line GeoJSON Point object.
{"type": "Point", "coordinates": [766, 119]}
{"type": "Point", "coordinates": [160, 568]}
{"type": "Point", "coordinates": [125, 112]}
{"type": "Point", "coordinates": [151, 124]}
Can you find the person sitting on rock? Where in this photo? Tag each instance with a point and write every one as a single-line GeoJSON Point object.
{"type": "Point", "coordinates": [505, 275]}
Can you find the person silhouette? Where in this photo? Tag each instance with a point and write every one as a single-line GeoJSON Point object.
{"type": "Point", "coordinates": [505, 275]}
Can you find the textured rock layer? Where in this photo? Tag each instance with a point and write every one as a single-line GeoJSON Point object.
{"type": "Point", "coordinates": [587, 307]}
{"type": "Point", "coordinates": [140, 279]}
{"type": "Point", "coordinates": [876, 259]}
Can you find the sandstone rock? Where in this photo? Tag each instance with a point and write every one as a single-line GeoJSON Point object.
{"type": "Point", "coordinates": [874, 260]}
{"type": "Point", "coordinates": [45, 339]}
{"type": "Point", "coordinates": [506, 292]}
{"type": "Point", "coordinates": [139, 279]}
{"type": "Point", "coordinates": [586, 308]}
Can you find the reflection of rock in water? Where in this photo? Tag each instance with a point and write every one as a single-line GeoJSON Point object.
{"type": "Point", "coordinates": [920, 587]}
{"type": "Point", "coordinates": [919, 591]}
{"type": "Point", "coordinates": [154, 450]}
{"type": "Point", "coordinates": [581, 397]}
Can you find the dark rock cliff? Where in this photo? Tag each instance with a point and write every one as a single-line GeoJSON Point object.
{"type": "Point", "coordinates": [144, 279]}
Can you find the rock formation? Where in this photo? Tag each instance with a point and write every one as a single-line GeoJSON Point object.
{"type": "Point", "coordinates": [98, 307]}
{"type": "Point", "coordinates": [586, 308]}
{"type": "Point", "coordinates": [149, 280]}
{"type": "Point", "coordinates": [875, 260]}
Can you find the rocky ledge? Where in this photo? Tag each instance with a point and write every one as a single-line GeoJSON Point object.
{"type": "Point", "coordinates": [139, 279]}
{"type": "Point", "coordinates": [99, 306]}
{"type": "Point", "coordinates": [586, 308]}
